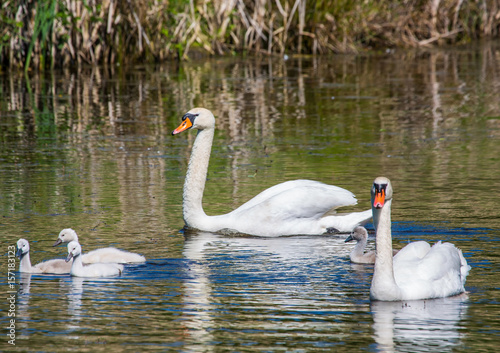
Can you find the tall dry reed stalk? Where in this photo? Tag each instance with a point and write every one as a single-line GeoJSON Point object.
{"type": "Point", "coordinates": [36, 34]}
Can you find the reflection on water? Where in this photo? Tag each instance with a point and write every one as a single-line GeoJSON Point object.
{"type": "Point", "coordinates": [296, 268]}
{"type": "Point", "coordinates": [255, 285]}
{"type": "Point", "coordinates": [91, 150]}
{"type": "Point", "coordinates": [420, 325]}
{"type": "Point", "coordinates": [423, 120]}
{"type": "Point", "coordinates": [197, 297]}
{"type": "Point", "coordinates": [23, 300]}
{"type": "Point", "coordinates": [74, 297]}
{"type": "Point", "coordinates": [228, 293]}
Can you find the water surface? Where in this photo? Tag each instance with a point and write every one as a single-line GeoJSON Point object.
{"type": "Point", "coordinates": [92, 150]}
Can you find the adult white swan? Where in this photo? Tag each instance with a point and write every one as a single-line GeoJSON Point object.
{"type": "Point", "coordinates": [357, 255]}
{"type": "Point", "coordinates": [418, 271]}
{"type": "Point", "coordinates": [289, 208]}
{"type": "Point", "coordinates": [92, 270]}
{"type": "Point", "coordinates": [57, 266]}
{"type": "Point", "coordinates": [103, 255]}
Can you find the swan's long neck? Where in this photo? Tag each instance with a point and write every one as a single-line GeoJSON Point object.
{"type": "Point", "coordinates": [375, 218]}
{"type": "Point", "coordinates": [384, 286]}
{"type": "Point", "coordinates": [196, 176]}
{"type": "Point", "coordinates": [25, 263]}
{"type": "Point", "coordinates": [77, 265]}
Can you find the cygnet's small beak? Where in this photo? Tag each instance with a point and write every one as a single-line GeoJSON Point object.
{"type": "Point", "coordinates": [349, 238]}
{"type": "Point", "coordinates": [19, 252]}
{"type": "Point", "coordinates": [58, 241]}
{"type": "Point", "coordinates": [70, 256]}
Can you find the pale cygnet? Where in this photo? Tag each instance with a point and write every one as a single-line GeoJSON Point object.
{"type": "Point", "coordinates": [56, 266]}
{"type": "Point", "coordinates": [103, 255]}
{"type": "Point", "coordinates": [357, 255]}
{"type": "Point", "coordinates": [92, 270]}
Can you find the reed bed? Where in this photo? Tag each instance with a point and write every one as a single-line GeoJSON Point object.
{"type": "Point", "coordinates": [36, 34]}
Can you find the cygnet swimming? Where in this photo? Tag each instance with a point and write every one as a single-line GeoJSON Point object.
{"type": "Point", "coordinates": [92, 270]}
{"type": "Point", "coordinates": [103, 255]}
{"type": "Point", "coordinates": [56, 266]}
{"type": "Point", "coordinates": [357, 254]}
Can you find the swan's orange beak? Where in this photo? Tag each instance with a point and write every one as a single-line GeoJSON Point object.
{"type": "Point", "coordinates": [186, 124]}
{"type": "Point", "coordinates": [379, 199]}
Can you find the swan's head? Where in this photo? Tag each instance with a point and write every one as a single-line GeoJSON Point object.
{"type": "Point", "coordinates": [23, 247]}
{"type": "Point", "coordinates": [381, 192]}
{"type": "Point", "coordinates": [65, 236]}
{"type": "Point", "coordinates": [74, 250]}
{"type": "Point", "coordinates": [359, 233]}
{"type": "Point", "coordinates": [197, 118]}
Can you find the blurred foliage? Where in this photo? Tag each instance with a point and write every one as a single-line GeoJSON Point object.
{"type": "Point", "coordinates": [49, 33]}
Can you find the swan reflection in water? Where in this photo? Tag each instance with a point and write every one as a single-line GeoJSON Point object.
{"type": "Point", "coordinates": [23, 299]}
{"type": "Point", "coordinates": [306, 284]}
{"type": "Point", "coordinates": [78, 289]}
{"type": "Point", "coordinates": [261, 280]}
{"type": "Point", "coordinates": [197, 295]}
{"type": "Point", "coordinates": [72, 286]}
{"type": "Point", "coordinates": [419, 325]}
{"type": "Point", "coordinates": [75, 303]}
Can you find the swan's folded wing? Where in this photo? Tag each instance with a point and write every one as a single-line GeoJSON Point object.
{"type": "Point", "coordinates": [414, 251]}
{"type": "Point", "coordinates": [299, 199]}
{"type": "Point", "coordinates": [436, 274]}
{"type": "Point", "coordinates": [275, 190]}
{"type": "Point", "coordinates": [439, 261]}
{"type": "Point", "coordinates": [406, 261]}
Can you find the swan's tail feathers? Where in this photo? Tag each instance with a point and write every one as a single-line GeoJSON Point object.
{"type": "Point", "coordinates": [464, 268]}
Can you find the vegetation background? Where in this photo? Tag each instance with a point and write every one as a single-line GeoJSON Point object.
{"type": "Point", "coordinates": [36, 34]}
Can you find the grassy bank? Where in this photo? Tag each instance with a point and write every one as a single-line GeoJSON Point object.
{"type": "Point", "coordinates": [37, 34]}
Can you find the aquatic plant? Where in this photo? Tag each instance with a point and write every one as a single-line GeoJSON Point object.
{"type": "Point", "coordinates": [48, 33]}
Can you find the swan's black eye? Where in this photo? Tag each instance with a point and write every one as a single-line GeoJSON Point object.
{"type": "Point", "coordinates": [379, 187]}
{"type": "Point", "coordinates": [190, 117]}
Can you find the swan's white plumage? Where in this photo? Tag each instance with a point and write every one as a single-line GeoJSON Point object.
{"type": "Point", "coordinates": [415, 250]}
{"type": "Point", "coordinates": [292, 207]}
{"type": "Point", "coordinates": [92, 270]}
{"type": "Point", "coordinates": [418, 271]}
{"type": "Point", "coordinates": [55, 266]}
{"type": "Point", "coordinates": [440, 266]}
{"type": "Point", "coordinates": [111, 255]}
{"type": "Point", "coordinates": [358, 254]}
{"type": "Point", "coordinates": [103, 255]}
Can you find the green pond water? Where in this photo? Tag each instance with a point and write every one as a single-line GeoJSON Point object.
{"type": "Point", "coordinates": [92, 150]}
